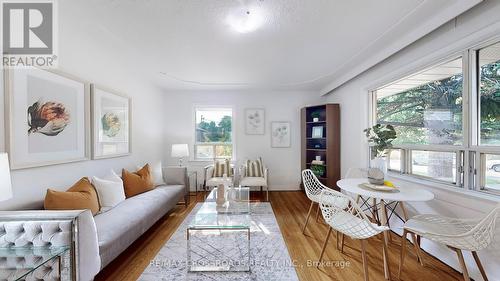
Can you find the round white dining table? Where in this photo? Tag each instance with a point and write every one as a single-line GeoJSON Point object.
{"type": "Point", "coordinates": [399, 194]}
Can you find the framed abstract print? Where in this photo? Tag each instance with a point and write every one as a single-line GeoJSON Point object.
{"type": "Point", "coordinates": [110, 124]}
{"type": "Point", "coordinates": [47, 116]}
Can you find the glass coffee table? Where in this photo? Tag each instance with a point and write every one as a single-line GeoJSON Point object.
{"type": "Point", "coordinates": [218, 236]}
{"type": "Point", "coordinates": [25, 263]}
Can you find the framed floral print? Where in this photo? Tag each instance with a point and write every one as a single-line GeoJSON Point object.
{"type": "Point", "coordinates": [47, 117]}
{"type": "Point", "coordinates": [110, 124]}
{"type": "Point", "coordinates": [280, 134]}
{"type": "Point", "coordinates": [255, 120]}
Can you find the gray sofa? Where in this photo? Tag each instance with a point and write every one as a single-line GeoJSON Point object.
{"type": "Point", "coordinates": [100, 239]}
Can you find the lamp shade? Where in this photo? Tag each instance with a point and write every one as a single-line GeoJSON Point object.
{"type": "Point", "coordinates": [180, 150]}
{"type": "Point", "coordinates": [5, 183]}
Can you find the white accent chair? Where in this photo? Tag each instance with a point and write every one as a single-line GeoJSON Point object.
{"type": "Point", "coordinates": [313, 188]}
{"type": "Point", "coordinates": [210, 181]}
{"type": "Point", "coordinates": [458, 234]}
{"type": "Point", "coordinates": [344, 215]}
{"type": "Point", "coordinates": [261, 182]}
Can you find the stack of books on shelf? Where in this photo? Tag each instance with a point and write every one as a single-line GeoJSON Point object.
{"type": "Point", "coordinates": [317, 162]}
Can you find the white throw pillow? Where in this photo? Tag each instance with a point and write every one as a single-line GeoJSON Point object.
{"type": "Point", "coordinates": [157, 172]}
{"type": "Point", "coordinates": [110, 191]}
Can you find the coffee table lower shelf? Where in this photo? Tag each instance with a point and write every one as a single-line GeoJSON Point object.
{"type": "Point", "coordinates": [223, 249]}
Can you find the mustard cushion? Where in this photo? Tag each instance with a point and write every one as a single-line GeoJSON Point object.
{"type": "Point", "coordinates": [138, 182]}
{"type": "Point", "coordinates": [81, 195]}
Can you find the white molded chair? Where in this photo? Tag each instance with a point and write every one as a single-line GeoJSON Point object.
{"type": "Point", "coordinates": [255, 181]}
{"type": "Point", "coordinates": [458, 234]}
{"type": "Point", "coordinates": [344, 215]}
{"type": "Point", "coordinates": [356, 173]}
{"type": "Point", "coordinates": [210, 181]}
{"type": "Point", "coordinates": [313, 188]}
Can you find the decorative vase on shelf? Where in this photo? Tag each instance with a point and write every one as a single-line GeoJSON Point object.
{"type": "Point", "coordinates": [380, 162]}
{"type": "Point", "coordinates": [315, 119]}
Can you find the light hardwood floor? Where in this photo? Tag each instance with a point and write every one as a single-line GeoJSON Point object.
{"type": "Point", "coordinates": [290, 209]}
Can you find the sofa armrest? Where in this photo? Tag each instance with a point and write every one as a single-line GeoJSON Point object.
{"type": "Point", "coordinates": [242, 171]}
{"type": "Point", "coordinates": [208, 172]}
{"type": "Point", "coordinates": [72, 228]}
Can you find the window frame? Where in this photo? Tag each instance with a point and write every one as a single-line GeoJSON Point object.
{"type": "Point", "coordinates": [471, 169]}
{"type": "Point", "coordinates": [214, 145]}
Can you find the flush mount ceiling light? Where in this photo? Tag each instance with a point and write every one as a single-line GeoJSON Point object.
{"type": "Point", "coordinates": [245, 19]}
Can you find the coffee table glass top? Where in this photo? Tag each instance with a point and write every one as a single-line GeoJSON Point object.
{"type": "Point", "coordinates": [20, 262]}
{"type": "Point", "coordinates": [233, 213]}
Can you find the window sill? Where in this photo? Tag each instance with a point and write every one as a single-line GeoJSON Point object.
{"type": "Point", "coordinates": [447, 187]}
{"type": "Point", "coordinates": [233, 161]}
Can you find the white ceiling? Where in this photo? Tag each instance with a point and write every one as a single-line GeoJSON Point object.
{"type": "Point", "coordinates": [301, 44]}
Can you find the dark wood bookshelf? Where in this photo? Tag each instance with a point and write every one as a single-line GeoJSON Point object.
{"type": "Point", "coordinates": [326, 145]}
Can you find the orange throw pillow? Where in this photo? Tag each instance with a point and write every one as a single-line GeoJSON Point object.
{"type": "Point", "coordinates": [138, 182]}
{"type": "Point", "coordinates": [81, 195]}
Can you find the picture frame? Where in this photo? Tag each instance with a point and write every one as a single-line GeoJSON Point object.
{"type": "Point", "coordinates": [280, 134]}
{"type": "Point", "coordinates": [317, 132]}
{"type": "Point", "coordinates": [49, 125]}
{"type": "Point", "coordinates": [255, 120]}
{"type": "Point", "coordinates": [111, 123]}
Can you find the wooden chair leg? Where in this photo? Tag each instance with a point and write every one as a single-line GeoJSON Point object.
{"type": "Point", "coordinates": [385, 253]}
{"type": "Point", "coordinates": [342, 242]}
{"type": "Point", "coordinates": [307, 218]}
{"type": "Point", "coordinates": [375, 211]}
{"type": "Point", "coordinates": [480, 266]}
{"type": "Point", "coordinates": [461, 260]}
{"type": "Point", "coordinates": [324, 245]}
{"type": "Point", "coordinates": [416, 244]}
{"type": "Point", "coordinates": [337, 241]}
{"type": "Point", "coordinates": [317, 213]}
{"type": "Point", "coordinates": [365, 260]}
{"type": "Point", "coordinates": [402, 253]}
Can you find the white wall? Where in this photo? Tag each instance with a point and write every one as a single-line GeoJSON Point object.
{"type": "Point", "coordinates": [283, 163]}
{"type": "Point", "coordinates": [476, 25]}
{"type": "Point", "coordinates": [86, 52]}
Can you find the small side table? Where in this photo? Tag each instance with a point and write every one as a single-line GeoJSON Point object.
{"type": "Point", "coordinates": [190, 175]}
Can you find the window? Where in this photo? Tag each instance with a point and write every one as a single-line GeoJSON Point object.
{"type": "Point", "coordinates": [440, 138]}
{"type": "Point", "coordinates": [394, 158]}
{"type": "Point", "coordinates": [426, 110]}
{"type": "Point", "coordinates": [437, 165]}
{"type": "Point", "coordinates": [489, 92]}
{"type": "Point", "coordinates": [213, 133]}
{"type": "Point", "coordinates": [492, 173]}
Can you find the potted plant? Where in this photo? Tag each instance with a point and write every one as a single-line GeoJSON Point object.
{"type": "Point", "coordinates": [380, 138]}
{"type": "Point", "coordinates": [318, 170]}
{"type": "Point", "coordinates": [315, 116]}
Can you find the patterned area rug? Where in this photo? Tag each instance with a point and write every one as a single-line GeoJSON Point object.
{"type": "Point", "coordinates": [269, 257]}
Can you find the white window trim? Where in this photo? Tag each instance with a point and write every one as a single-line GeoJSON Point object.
{"type": "Point", "coordinates": [469, 153]}
{"type": "Point", "coordinates": [193, 143]}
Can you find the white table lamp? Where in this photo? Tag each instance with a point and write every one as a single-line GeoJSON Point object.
{"type": "Point", "coordinates": [180, 151]}
{"type": "Point", "coordinates": [5, 182]}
